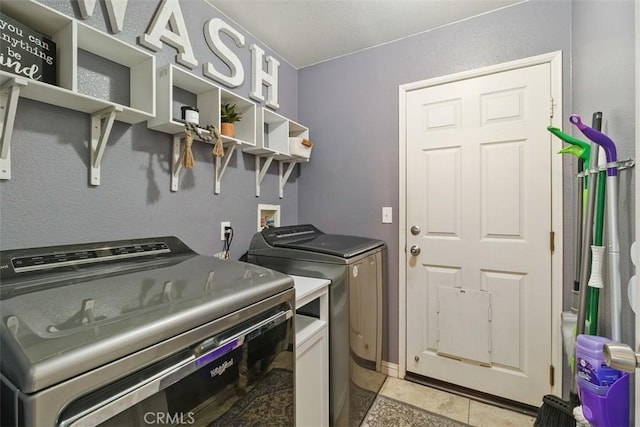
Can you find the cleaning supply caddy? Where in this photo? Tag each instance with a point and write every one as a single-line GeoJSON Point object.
{"type": "Point", "coordinates": [604, 391]}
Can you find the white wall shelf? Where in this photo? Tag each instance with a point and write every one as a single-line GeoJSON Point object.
{"type": "Point", "coordinates": [101, 124]}
{"type": "Point", "coordinates": [274, 132]}
{"type": "Point", "coordinates": [176, 162]}
{"type": "Point", "coordinates": [261, 169]}
{"type": "Point", "coordinates": [70, 37]}
{"type": "Point", "coordinates": [285, 168]}
{"type": "Point", "coordinates": [209, 98]}
{"type": "Point", "coordinates": [9, 94]}
{"type": "Point", "coordinates": [150, 98]}
{"type": "Point", "coordinates": [273, 135]}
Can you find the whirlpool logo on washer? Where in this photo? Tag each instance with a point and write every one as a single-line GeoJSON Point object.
{"type": "Point", "coordinates": [219, 370]}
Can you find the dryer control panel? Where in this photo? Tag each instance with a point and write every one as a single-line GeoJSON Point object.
{"type": "Point", "coordinates": [290, 233]}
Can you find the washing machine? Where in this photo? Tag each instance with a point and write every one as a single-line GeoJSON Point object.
{"type": "Point", "coordinates": [356, 267]}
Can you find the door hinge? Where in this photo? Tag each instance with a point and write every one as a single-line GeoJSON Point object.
{"type": "Point", "coordinates": [552, 241]}
{"type": "Point", "coordinates": [551, 107]}
{"type": "Point", "coordinates": [552, 372]}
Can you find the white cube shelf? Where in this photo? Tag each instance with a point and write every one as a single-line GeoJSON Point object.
{"type": "Point", "coordinates": [141, 67]}
{"type": "Point", "coordinates": [246, 127]}
{"type": "Point", "coordinates": [209, 98]}
{"type": "Point", "coordinates": [71, 36]}
{"type": "Point", "coordinates": [273, 135]}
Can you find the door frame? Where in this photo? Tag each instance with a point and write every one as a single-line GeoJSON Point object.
{"type": "Point", "coordinates": [555, 61]}
{"type": "Point", "coordinates": [637, 269]}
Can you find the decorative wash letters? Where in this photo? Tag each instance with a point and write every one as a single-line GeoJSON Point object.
{"type": "Point", "coordinates": [212, 30]}
{"type": "Point", "coordinates": [168, 26]}
{"type": "Point", "coordinates": [115, 9]}
{"type": "Point", "coordinates": [260, 77]}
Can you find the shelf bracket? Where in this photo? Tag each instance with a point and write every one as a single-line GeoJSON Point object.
{"type": "Point", "coordinates": [9, 95]}
{"type": "Point", "coordinates": [262, 171]}
{"type": "Point", "coordinates": [284, 175]}
{"type": "Point", "coordinates": [221, 164]}
{"type": "Point", "coordinates": [101, 124]}
{"type": "Point", "coordinates": [176, 161]}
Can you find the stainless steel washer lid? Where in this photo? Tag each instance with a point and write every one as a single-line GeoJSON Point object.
{"type": "Point", "coordinates": [335, 244]}
{"type": "Point", "coordinates": [59, 325]}
{"type": "Point", "coordinates": [308, 238]}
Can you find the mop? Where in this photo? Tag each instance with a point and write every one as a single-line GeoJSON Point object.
{"type": "Point", "coordinates": [591, 277]}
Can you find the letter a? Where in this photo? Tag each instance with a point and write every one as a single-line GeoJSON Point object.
{"type": "Point", "coordinates": [168, 26]}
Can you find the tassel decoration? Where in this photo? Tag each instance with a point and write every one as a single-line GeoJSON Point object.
{"type": "Point", "coordinates": [187, 154]}
{"type": "Point", "coordinates": [218, 148]}
{"type": "Point", "coordinates": [190, 130]}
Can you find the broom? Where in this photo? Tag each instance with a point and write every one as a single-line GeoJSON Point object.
{"type": "Point", "coordinates": [554, 410]}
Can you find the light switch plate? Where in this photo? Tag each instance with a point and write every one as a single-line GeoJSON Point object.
{"type": "Point", "coordinates": [387, 215]}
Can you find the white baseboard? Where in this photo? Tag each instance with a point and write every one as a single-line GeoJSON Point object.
{"type": "Point", "coordinates": [389, 369]}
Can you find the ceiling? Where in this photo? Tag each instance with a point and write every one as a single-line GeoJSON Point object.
{"type": "Point", "coordinates": [306, 32]}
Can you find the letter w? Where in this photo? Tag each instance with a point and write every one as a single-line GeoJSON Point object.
{"type": "Point", "coordinates": [115, 9]}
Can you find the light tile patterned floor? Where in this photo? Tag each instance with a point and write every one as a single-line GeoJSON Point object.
{"type": "Point", "coordinates": [453, 406]}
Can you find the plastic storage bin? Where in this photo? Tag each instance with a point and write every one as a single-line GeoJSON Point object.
{"type": "Point", "coordinates": [603, 391]}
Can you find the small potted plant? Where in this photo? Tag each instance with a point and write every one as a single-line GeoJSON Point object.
{"type": "Point", "coordinates": [228, 116]}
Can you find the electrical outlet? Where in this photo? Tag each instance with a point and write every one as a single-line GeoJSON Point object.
{"type": "Point", "coordinates": [224, 224]}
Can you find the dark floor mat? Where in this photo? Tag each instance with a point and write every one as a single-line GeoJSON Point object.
{"type": "Point", "coordinates": [387, 412]}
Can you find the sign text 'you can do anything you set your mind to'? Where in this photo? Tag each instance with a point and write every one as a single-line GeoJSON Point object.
{"type": "Point", "coordinates": [25, 52]}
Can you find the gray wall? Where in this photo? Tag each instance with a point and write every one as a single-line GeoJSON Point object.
{"type": "Point", "coordinates": [351, 107]}
{"type": "Point", "coordinates": [48, 200]}
{"type": "Point", "coordinates": [351, 104]}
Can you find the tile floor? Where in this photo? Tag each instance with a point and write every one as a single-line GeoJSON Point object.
{"type": "Point", "coordinates": [453, 406]}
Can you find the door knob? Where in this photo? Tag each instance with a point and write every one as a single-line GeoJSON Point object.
{"type": "Point", "coordinates": [415, 250]}
{"type": "Point", "coordinates": [415, 230]}
{"type": "Point", "coordinates": [621, 357]}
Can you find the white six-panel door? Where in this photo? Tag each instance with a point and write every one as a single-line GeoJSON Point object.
{"type": "Point", "coordinates": [478, 191]}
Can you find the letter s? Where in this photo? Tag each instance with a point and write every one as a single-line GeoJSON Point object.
{"type": "Point", "coordinates": [212, 30]}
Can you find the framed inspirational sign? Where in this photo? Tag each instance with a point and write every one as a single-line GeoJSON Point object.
{"type": "Point", "coordinates": [25, 52]}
